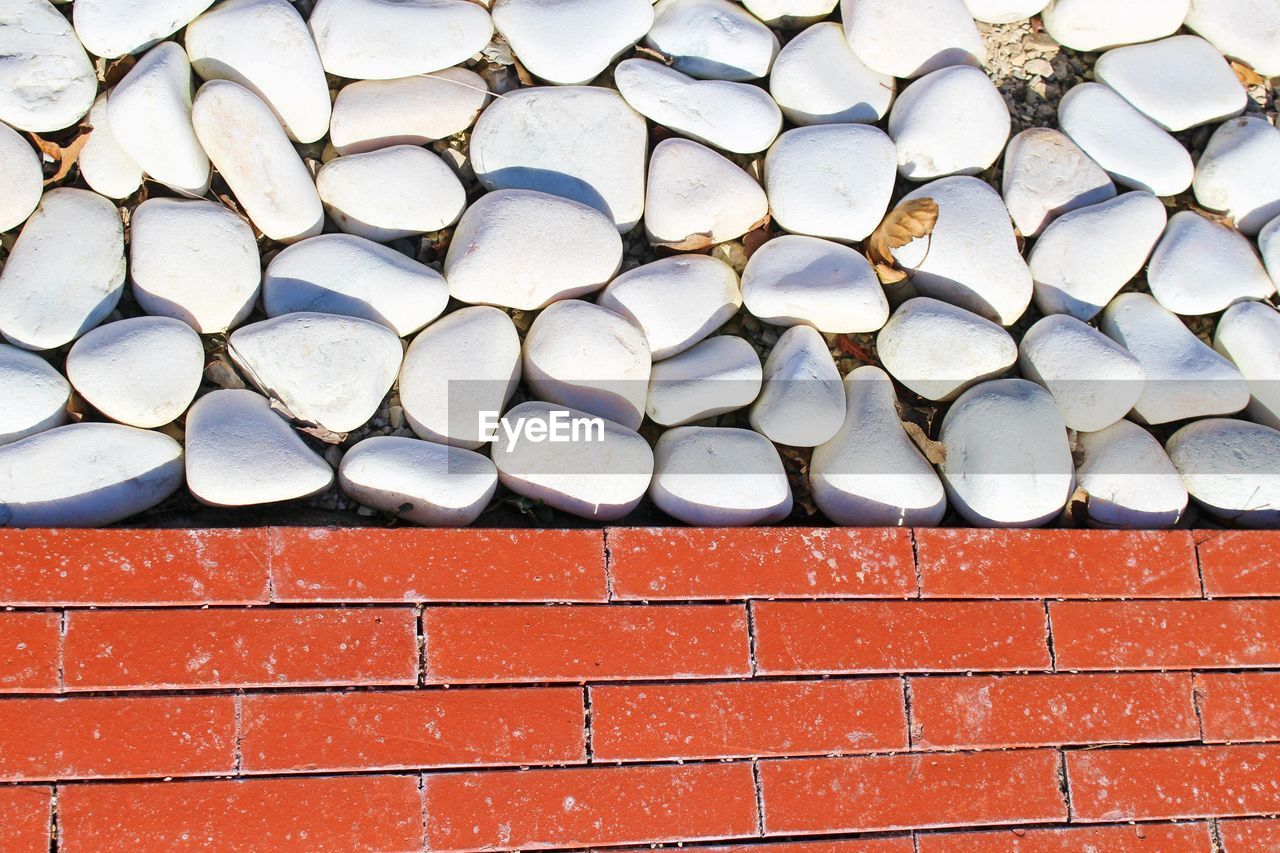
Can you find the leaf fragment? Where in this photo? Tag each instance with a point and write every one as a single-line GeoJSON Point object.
{"type": "Point", "coordinates": [1247, 76]}
{"type": "Point", "coordinates": [911, 220]}
{"type": "Point", "coordinates": [934, 451]}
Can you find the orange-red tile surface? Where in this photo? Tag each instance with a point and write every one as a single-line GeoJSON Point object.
{"type": "Point", "coordinates": [1256, 835]}
{"type": "Point", "coordinates": [25, 819]}
{"type": "Point", "coordinates": [1154, 838]}
{"type": "Point", "coordinates": [1240, 562]}
{"type": "Point", "coordinates": [1242, 706]}
{"type": "Point", "coordinates": [29, 650]}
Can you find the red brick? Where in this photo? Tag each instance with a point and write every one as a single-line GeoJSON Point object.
{"type": "Point", "coordinates": [1050, 710]}
{"type": "Point", "coordinates": [534, 809]}
{"type": "Point", "coordinates": [119, 649]}
{"type": "Point", "coordinates": [1174, 782]}
{"type": "Point", "coordinates": [577, 643]}
{"type": "Point", "coordinates": [29, 649]}
{"type": "Point", "coordinates": [121, 567]}
{"type": "Point", "coordinates": [890, 844]}
{"type": "Point", "coordinates": [899, 636]}
{"type": "Point", "coordinates": [905, 791]}
{"type": "Point", "coordinates": [746, 718]}
{"type": "Point", "coordinates": [1157, 838]}
{"type": "Point", "coordinates": [1165, 634]}
{"type": "Point", "coordinates": [1239, 706]}
{"type": "Point", "coordinates": [1240, 562]}
{"type": "Point", "coordinates": [693, 563]}
{"type": "Point", "coordinates": [414, 564]}
{"type": "Point", "coordinates": [1250, 836]}
{"type": "Point", "coordinates": [25, 819]}
{"type": "Point", "coordinates": [965, 563]}
{"type": "Point", "coordinates": [292, 732]}
{"type": "Point", "coordinates": [305, 814]}
{"type": "Point", "coordinates": [93, 738]}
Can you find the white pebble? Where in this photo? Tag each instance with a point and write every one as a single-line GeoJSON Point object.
{"type": "Point", "coordinates": [949, 122]}
{"type": "Point", "coordinates": [111, 28]}
{"type": "Point", "coordinates": [801, 403]}
{"type": "Point", "coordinates": [1047, 175]}
{"type": "Point", "coordinates": [431, 484]}
{"type": "Point", "coordinates": [1177, 82]}
{"type": "Point", "coordinates": [1094, 381]}
{"type": "Point", "coordinates": [719, 477]}
{"type": "Point", "coordinates": [1129, 480]}
{"type": "Point", "coordinates": [21, 178]}
{"type": "Point", "coordinates": [35, 395]}
{"type": "Point", "coordinates": [790, 14]}
{"type": "Point", "coordinates": [1231, 468]}
{"type": "Point", "coordinates": [1249, 334]}
{"type": "Point", "coordinates": [719, 375]}
{"type": "Point", "coordinates": [1202, 267]}
{"type": "Point", "coordinates": [1237, 174]}
{"type": "Point", "coordinates": [712, 39]}
{"type": "Point", "coordinates": [391, 193]}
{"type": "Point", "coordinates": [373, 114]}
{"type": "Point", "coordinates": [1269, 245]}
{"type": "Point", "coordinates": [1100, 24]}
{"type": "Point", "coordinates": [105, 166]}
{"type": "Point", "coordinates": [1004, 11]}
{"type": "Point", "coordinates": [911, 38]}
{"type": "Point", "coordinates": [385, 39]}
{"type": "Point", "coordinates": [938, 350]}
{"type": "Point", "coordinates": [1248, 30]}
{"type": "Point", "coordinates": [818, 79]}
{"type": "Point", "coordinates": [696, 198]}
{"type": "Point", "coordinates": [547, 35]}
{"type": "Point", "coordinates": [794, 280]}
{"type": "Point", "coordinates": [46, 80]}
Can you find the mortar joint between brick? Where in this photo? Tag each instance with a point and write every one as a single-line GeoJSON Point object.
{"type": "Point", "coordinates": [62, 651]}
{"type": "Point", "coordinates": [422, 810]}
{"type": "Point", "coordinates": [1196, 698]}
{"type": "Point", "coordinates": [915, 561]}
{"type": "Point", "coordinates": [420, 641]}
{"type": "Point", "coordinates": [915, 842]}
{"type": "Point", "coordinates": [755, 779]}
{"type": "Point", "coordinates": [606, 554]}
{"type": "Point", "coordinates": [1195, 553]}
{"type": "Point", "coordinates": [751, 637]}
{"type": "Point", "coordinates": [588, 745]}
{"type": "Point", "coordinates": [1215, 836]}
{"type": "Point", "coordinates": [1048, 638]}
{"type": "Point", "coordinates": [54, 836]}
{"type": "Point", "coordinates": [907, 710]}
{"type": "Point", "coordinates": [1064, 784]}
{"type": "Point", "coordinates": [238, 754]}
{"type": "Point", "coordinates": [272, 539]}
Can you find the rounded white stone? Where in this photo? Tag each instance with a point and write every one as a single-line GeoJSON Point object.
{"type": "Point", "coordinates": [583, 143]}
{"type": "Point", "coordinates": [86, 475]}
{"type": "Point", "coordinates": [241, 453]}
{"type": "Point", "coordinates": [871, 474]}
{"type": "Point", "coordinates": [46, 81]}
{"type": "Point", "coordinates": [195, 261]}
{"type": "Point", "coordinates": [1185, 377]}
{"type": "Point", "coordinates": [65, 273]}
{"type": "Point", "coordinates": [1249, 335]}
{"type": "Point", "coordinates": [1047, 175]}
{"type": "Point", "coordinates": [938, 350]}
{"type": "Point", "coordinates": [1177, 82]}
{"type": "Point", "coordinates": [1129, 480]}
{"type": "Point", "coordinates": [264, 45]}
{"type": "Point", "coordinates": [832, 181]}
{"type": "Point", "coordinates": [326, 369]}
{"type": "Point", "coordinates": [712, 39]}
{"type": "Point", "coordinates": [1248, 30]}
{"type": "Point", "coordinates": [111, 28]}
{"type": "Point", "coordinates": [790, 14]}
{"type": "Point", "coordinates": [1237, 175]}
{"type": "Point", "coordinates": [949, 122]}
{"type": "Point", "coordinates": [1007, 462]}
{"type": "Point", "coordinates": [801, 403]}
{"type": "Point", "coordinates": [719, 375]}
{"type": "Point", "coordinates": [385, 39]}
{"type": "Point", "coordinates": [719, 477]}
{"type": "Point", "coordinates": [21, 178]}
{"type": "Point", "coordinates": [675, 301]}
{"type": "Point", "coordinates": [1120, 234]}
{"type": "Point", "coordinates": [257, 160]}
{"type": "Point", "coordinates": [794, 279]}
{"type": "Point", "coordinates": [600, 472]}
{"type": "Point", "coordinates": [373, 114]}
{"type": "Point", "coordinates": [972, 258]}
{"type": "Point", "coordinates": [35, 395]}
{"type": "Point", "coordinates": [1101, 24]}
{"type": "Point", "coordinates": [911, 38]}
{"type": "Point", "coordinates": [696, 198]}
{"type": "Point", "coordinates": [150, 112]}
{"type": "Point", "coordinates": [344, 274]}
{"type": "Point", "coordinates": [1231, 468]}
{"type": "Point", "coordinates": [431, 484]}
{"type": "Point", "coordinates": [818, 79]}
{"type": "Point", "coordinates": [547, 35]}
{"type": "Point", "coordinates": [509, 249]}
{"type": "Point", "coordinates": [459, 368]}
{"type": "Point", "coordinates": [1269, 245]}
{"type": "Point", "coordinates": [391, 193]}
{"type": "Point", "coordinates": [1004, 11]}
{"type": "Point", "coordinates": [1094, 381]}
{"type": "Point", "coordinates": [1202, 267]}
{"type": "Point", "coordinates": [105, 166]}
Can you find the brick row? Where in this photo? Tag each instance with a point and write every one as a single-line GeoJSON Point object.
{"type": "Point", "coordinates": [1154, 838]}
{"type": "Point", "coordinates": [25, 819]}
{"type": "Point", "coordinates": [1240, 562]}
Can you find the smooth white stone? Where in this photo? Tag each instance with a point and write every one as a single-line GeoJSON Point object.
{"type": "Point", "coordinates": [1248, 30]}
{"type": "Point", "coordinates": [1130, 482]}
{"type": "Point", "coordinates": [871, 474]}
{"type": "Point", "coordinates": [790, 14]}
{"type": "Point", "coordinates": [950, 122]}
{"type": "Point", "coordinates": [111, 28]}
{"type": "Point", "coordinates": [972, 258]}
{"type": "Point", "coordinates": [1007, 462]}
{"type": "Point", "coordinates": [509, 250]}
{"type": "Point", "coordinates": [385, 39]}
{"type": "Point", "coordinates": [150, 112]}
{"type": "Point", "coordinates": [818, 79]}
{"type": "Point", "coordinates": [600, 474]}
{"type": "Point", "coordinates": [794, 280]}
{"type": "Point", "coordinates": [1177, 82]}
{"type": "Point", "coordinates": [911, 38]}
{"type": "Point", "coordinates": [1237, 173]}
{"type": "Point", "coordinates": [735, 117]}
{"type": "Point", "coordinates": [257, 160]}
{"type": "Point", "coordinates": [1100, 24]}
{"type": "Point", "coordinates": [831, 181]}
{"type": "Point", "coordinates": [1124, 142]}
{"type": "Point", "coordinates": [105, 166]}
{"type": "Point", "coordinates": [265, 46]}
{"type": "Point", "coordinates": [583, 143]}
{"type": "Point", "coordinates": [1269, 245]}
{"type": "Point", "coordinates": [1185, 377]}
{"type": "Point", "coordinates": [21, 178]}
{"type": "Point", "coordinates": [1202, 267]}
{"type": "Point", "coordinates": [344, 274]}
{"type": "Point", "coordinates": [391, 193]}
{"type": "Point", "coordinates": [938, 350]}
{"type": "Point", "coordinates": [373, 114]}
{"type": "Point", "coordinates": [46, 81]}
{"type": "Point", "coordinates": [35, 395]}
{"type": "Point", "coordinates": [326, 369]}
{"type": "Point", "coordinates": [1231, 468]}
{"type": "Point", "coordinates": [696, 198]}
{"type": "Point", "coordinates": [86, 475]}
{"type": "Point", "coordinates": [196, 261]}
{"type": "Point", "coordinates": [1004, 11]}
{"type": "Point", "coordinates": [1094, 381]}
{"type": "Point", "coordinates": [141, 371]}
{"type": "Point", "coordinates": [675, 301]}
{"type": "Point", "coordinates": [712, 39]}
{"type": "Point", "coordinates": [1249, 335]}
{"type": "Point", "coordinates": [1047, 175]}
{"type": "Point", "coordinates": [431, 484]}
{"type": "Point", "coordinates": [241, 453]}
{"type": "Point", "coordinates": [801, 403]}
{"type": "Point", "coordinates": [719, 375]}
{"type": "Point", "coordinates": [719, 477]}
{"type": "Point", "coordinates": [547, 35]}
{"type": "Point", "coordinates": [65, 273]}
{"type": "Point", "coordinates": [1119, 234]}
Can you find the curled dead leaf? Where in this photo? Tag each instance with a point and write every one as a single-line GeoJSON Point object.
{"type": "Point", "coordinates": [64, 155]}
{"type": "Point", "coordinates": [1247, 76]}
{"type": "Point", "coordinates": [934, 451]}
{"type": "Point", "coordinates": [692, 243]}
{"type": "Point", "coordinates": [1077, 509]}
{"type": "Point", "coordinates": [909, 221]}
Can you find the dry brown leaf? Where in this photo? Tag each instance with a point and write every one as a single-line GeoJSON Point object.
{"type": "Point", "coordinates": [1248, 77]}
{"type": "Point", "coordinates": [692, 243]}
{"type": "Point", "coordinates": [753, 240]}
{"type": "Point", "coordinates": [847, 346]}
{"type": "Point", "coordinates": [934, 451]}
{"type": "Point", "coordinates": [328, 436]}
{"type": "Point", "coordinates": [908, 221]}
{"type": "Point", "coordinates": [1077, 509]}
{"type": "Point", "coordinates": [890, 275]}
{"type": "Point", "coordinates": [64, 155]}
{"type": "Point", "coordinates": [117, 68]}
